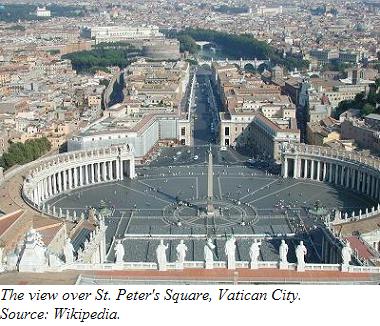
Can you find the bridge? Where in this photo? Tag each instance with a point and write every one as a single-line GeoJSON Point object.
{"type": "Point", "coordinates": [241, 63]}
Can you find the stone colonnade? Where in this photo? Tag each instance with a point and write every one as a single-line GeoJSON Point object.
{"type": "Point", "coordinates": [352, 171]}
{"type": "Point", "coordinates": [70, 171]}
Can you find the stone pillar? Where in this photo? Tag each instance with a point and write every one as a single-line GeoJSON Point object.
{"type": "Point", "coordinates": [295, 168]}
{"type": "Point", "coordinates": [35, 196]}
{"type": "Point", "coordinates": [312, 169]}
{"type": "Point", "coordinates": [369, 180]}
{"type": "Point", "coordinates": [55, 189]}
{"type": "Point", "coordinates": [97, 172]}
{"type": "Point", "coordinates": [59, 181]}
{"type": "Point", "coordinates": [324, 171]}
{"type": "Point", "coordinates": [342, 175]}
{"type": "Point", "coordinates": [305, 172]}
{"type": "Point", "coordinates": [110, 172]}
{"type": "Point", "coordinates": [132, 173]}
{"type": "Point", "coordinates": [348, 176]}
{"type": "Point", "coordinates": [39, 193]}
{"type": "Point", "coordinates": [64, 173]}
{"type": "Point", "coordinates": [48, 187]}
{"type": "Point", "coordinates": [69, 178]}
{"type": "Point", "coordinates": [376, 189]}
{"type": "Point", "coordinates": [373, 184]}
{"type": "Point", "coordinates": [86, 179]}
{"type": "Point", "coordinates": [121, 168]}
{"type": "Point", "coordinates": [75, 177]}
{"type": "Point", "coordinates": [364, 182]}
{"type": "Point", "coordinates": [92, 167]}
{"type": "Point", "coordinates": [319, 171]}
{"type": "Point", "coordinates": [358, 180]}
{"type": "Point", "coordinates": [45, 189]}
{"type": "Point", "coordinates": [117, 169]}
{"type": "Point", "coordinates": [336, 173]}
{"type": "Point", "coordinates": [285, 171]}
{"type": "Point", "coordinates": [330, 172]}
{"type": "Point", "coordinates": [80, 175]}
{"type": "Point", "coordinates": [104, 171]}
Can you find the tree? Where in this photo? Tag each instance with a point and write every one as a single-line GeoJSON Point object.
{"type": "Point", "coordinates": [377, 83]}
{"type": "Point", "coordinates": [19, 153]}
{"type": "Point", "coordinates": [367, 109]}
{"type": "Point", "coordinates": [359, 97]}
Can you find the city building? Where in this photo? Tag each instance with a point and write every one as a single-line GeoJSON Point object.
{"type": "Point", "coordinates": [365, 133]}
{"type": "Point", "coordinates": [42, 12]}
{"type": "Point", "coordinates": [120, 33]}
{"type": "Point", "coordinates": [255, 114]}
{"type": "Point", "coordinates": [154, 110]}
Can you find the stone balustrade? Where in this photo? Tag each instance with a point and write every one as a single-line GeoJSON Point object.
{"type": "Point", "coordinates": [354, 171]}
{"type": "Point", "coordinates": [65, 172]}
{"type": "Point", "coordinates": [217, 264]}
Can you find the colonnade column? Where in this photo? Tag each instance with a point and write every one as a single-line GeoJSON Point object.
{"type": "Point", "coordinates": [121, 169]}
{"type": "Point", "coordinates": [358, 180]}
{"type": "Point", "coordinates": [285, 168]}
{"type": "Point", "coordinates": [92, 167]}
{"type": "Point", "coordinates": [75, 177]}
{"type": "Point", "coordinates": [132, 173]}
{"type": "Point", "coordinates": [97, 172]}
{"type": "Point", "coordinates": [48, 186]}
{"type": "Point", "coordinates": [64, 180]}
{"type": "Point", "coordinates": [55, 180]}
{"type": "Point", "coordinates": [104, 171]}
{"type": "Point", "coordinates": [312, 170]}
{"type": "Point", "coordinates": [369, 182]}
{"type": "Point", "coordinates": [81, 175]}
{"type": "Point", "coordinates": [330, 172]}
{"type": "Point", "coordinates": [319, 170]}
{"type": "Point", "coordinates": [70, 178]}
{"type": "Point", "coordinates": [86, 174]}
{"type": "Point", "coordinates": [348, 176]}
{"type": "Point", "coordinates": [59, 181]}
{"type": "Point", "coordinates": [336, 173]}
{"type": "Point", "coordinates": [45, 190]}
{"type": "Point", "coordinates": [305, 172]}
{"type": "Point", "coordinates": [117, 169]}
{"type": "Point", "coordinates": [364, 180]}
{"type": "Point", "coordinates": [110, 171]}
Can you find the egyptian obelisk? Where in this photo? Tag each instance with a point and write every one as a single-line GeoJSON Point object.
{"type": "Point", "coordinates": [210, 184]}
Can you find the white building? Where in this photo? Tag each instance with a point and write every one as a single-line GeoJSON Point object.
{"type": "Point", "coordinates": [43, 12]}
{"type": "Point", "coordinates": [120, 33]}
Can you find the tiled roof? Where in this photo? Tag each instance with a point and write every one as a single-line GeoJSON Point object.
{"type": "Point", "coordinates": [7, 220]}
{"type": "Point", "coordinates": [362, 250]}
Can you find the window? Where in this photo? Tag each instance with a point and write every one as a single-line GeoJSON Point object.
{"type": "Point", "coordinates": [227, 131]}
{"type": "Point", "coordinates": [183, 131]}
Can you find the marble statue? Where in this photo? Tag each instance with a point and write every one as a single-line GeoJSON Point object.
{"type": "Point", "coordinates": [33, 258]}
{"type": "Point", "coordinates": [181, 250]}
{"type": "Point", "coordinates": [254, 253]}
{"type": "Point", "coordinates": [119, 252]}
{"type": "Point", "coordinates": [283, 252]}
{"type": "Point", "coordinates": [209, 254]}
{"type": "Point", "coordinates": [68, 251]}
{"type": "Point", "coordinates": [161, 255]}
{"type": "Point", "coordinates": [229, 250]}
{"type": "Point", "coordinates": [346, 254]}
{"type": "Point", "coordinates": [301, 252]}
